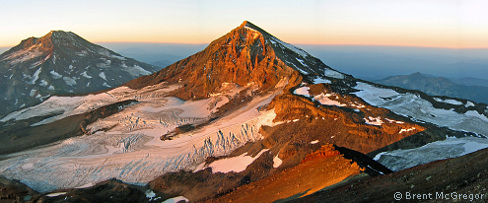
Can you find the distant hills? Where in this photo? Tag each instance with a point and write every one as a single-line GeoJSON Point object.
{"type": "Point", "coordinates": [466, 88]}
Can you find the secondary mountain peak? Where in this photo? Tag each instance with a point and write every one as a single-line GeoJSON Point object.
{"type": "Point", "coordinates": [61, 63]}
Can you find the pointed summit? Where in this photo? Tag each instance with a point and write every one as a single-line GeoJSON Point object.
{"type": "Point", "coordinates": [247, 54]}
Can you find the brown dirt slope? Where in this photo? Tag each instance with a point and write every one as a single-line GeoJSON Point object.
{"type": "Point", "coordinates": [318, 170]}
{"type": "Point", "coordinates": [463, 175]}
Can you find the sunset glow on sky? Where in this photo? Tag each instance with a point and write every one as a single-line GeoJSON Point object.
{"type": "Point", "coordinates": [430, 23]}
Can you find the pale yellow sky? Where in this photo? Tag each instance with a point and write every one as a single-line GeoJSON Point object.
{"type": "Point", "coordinates": [427, 23]}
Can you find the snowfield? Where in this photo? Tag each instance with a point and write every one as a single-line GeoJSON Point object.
{"type": "Point", "coordinates": [449, 148]}
{"type": "Point", "coordinates": [414, 106]}
{"type": "Point", "coordinates": [132, 150]}
{"type": "Point", "coordinates": [234, 164]}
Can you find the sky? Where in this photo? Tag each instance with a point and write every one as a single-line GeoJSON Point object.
{"type": "Point", "coordinates": [424, 23]}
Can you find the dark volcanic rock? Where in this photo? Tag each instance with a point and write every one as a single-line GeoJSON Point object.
{"type": "Point", "coordinates": [14, 191]}
{"type": "Point", "coordinates": [107, 191]}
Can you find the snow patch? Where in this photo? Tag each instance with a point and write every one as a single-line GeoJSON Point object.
{"type": "Point", "coordinates": [176, 199]}
{"type": "Point", "coordinates": [102, 75]}
{"type": "Point", "coordinates": [32, 92]}
{"type": "Point", "coordinates": [320, 80]}
{"type": "Point", "coordinates": [325, 100]}
{"type": "Point", "coordinates": [34, 77]}
{"type": "Point", "coordinates": [394, 121]}
{"type": "Point", "coordinates": [84, 74]}
{"type": "Point", "coordinates": [302, 62]}
{"type": "Point", "coordinates": [277, 161]}
{"type": "Point", "coordinates": [314, 142]}
{"type": "Point", "coordinates": [407, 130]}
{"type": "Point", "coordinates": [469, 104]}
{"type": "Point", "coordinates": [55, 75]}
{"type": "Point", "coordinates": [373, 120]}
{"type": "Point", "coordinates": [449, 148]}
{"type": "Point", "coordinates": [106, 85]}
{"type": "Point", "coordinates": [421, 110]}
{"type": "Point", "coordinates": [302, 91]}
{"type": "Point", "coordinates": [43, 83]}
{"type": "Point", "coordinates": [56, 194]}
{"type": "Point", "coordinates": [69, 81]}
{"type": "Point", "coordinates": [234, 164]}
{"type": "Point", "coordinates": [137, 71]}
{"type": "Point", "coordinates": [448, 101]}
{"type": "Point", "coordinates": [333, 74]}
{"type": "Point", "coordinates": [23, 55]}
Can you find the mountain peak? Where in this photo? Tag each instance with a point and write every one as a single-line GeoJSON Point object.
{"type": "Point", "coordinates": [245, 55]}
{"type": "Point", "coordinates": [61, 63]}
{"type": "Point", "coordinates": [249, 25]}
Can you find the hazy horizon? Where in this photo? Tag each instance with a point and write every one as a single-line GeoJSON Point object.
{"type": "Point", "coordinates": [367, 62]}
{"type": "Point", "coordinates": [361, 61]}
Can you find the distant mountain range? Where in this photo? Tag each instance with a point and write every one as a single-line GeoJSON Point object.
{"type": "Point", "coordinates": [466, 88]}
{"type": "Point", "coordinates": [61, 63]}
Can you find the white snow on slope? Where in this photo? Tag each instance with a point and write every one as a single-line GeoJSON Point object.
{"type": "Point", "coordinates": [373, 120]}
{"type": "Point", "coordinates": [132, 150]}
{"type": "Point", "coordinates": [102, 75]}
{"type": "Point", "coordinates": [23, 55]}
{"type": "Point", "coordinates": [325, 100]}
{"type": "Point", "coordinates": [414, 106]}
{"type": "Point", "coordinates": [34, 77]}
{"type": "Point", "coordinates": [176, 199]}
{"type": "Point", "coordinates": [407, 130]}
{"type": "Point", "coordinates": [234, 164]}
{"type": "Point", "coordinates": [449, 148]}
{"type": "Point", "coordinates": [302, 91]}
{"type": "Point", "coordinates": [333, 74]}
{"type": "Point", "coordinates": [69, 81]}
{"type": "Point", "coordinates": [55, 75]}
{"type": "Point", "coordinates": [43, 83]}
{"type": "Point", "coordinates": [295, 49]}
{"type": "Point", "coordinates": [137, 71]}
{"type": "Point", "coordinates": [320, 80]}
{"type": "Point", "coordinates": [56, 194]}
{"type": "Point", "coordinates": [277, 161]}
{"type": "Point", "coordinates": [84, 74]}
{"type": "Point", "coordinates": [67, 106]}
{"type": "Point", "coordinates": [448, 101]}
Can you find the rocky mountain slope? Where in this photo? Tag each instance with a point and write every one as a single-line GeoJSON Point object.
{"type": "Point", "coordinates": [61, 63]}
{"type": "Point", "coordinates": [462, 179]}
{"type": "Point", "coordinates": [438, 86]}
{"type": "Point", "coordinates": [243, 119]}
